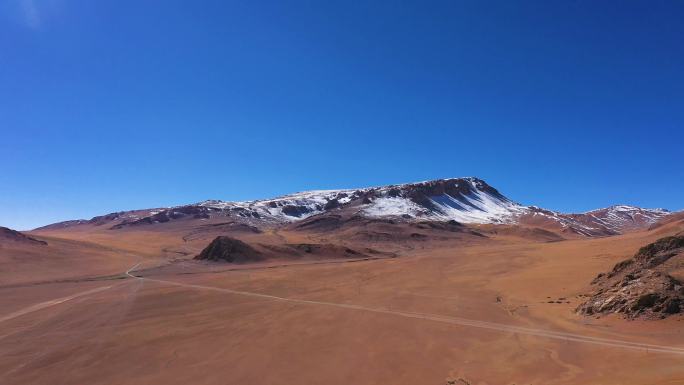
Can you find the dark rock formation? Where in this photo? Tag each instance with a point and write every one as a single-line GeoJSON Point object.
{"type": "Point", "coordinates": [295, 211]}
{"type": "Point", "coordinates": [641, 287]}
{"type": "Point", "coordinates": [229, 249]}
{"type": "Point", "coordinates": [321, 223]}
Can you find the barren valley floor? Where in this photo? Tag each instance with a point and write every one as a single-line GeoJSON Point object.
{"type": "Point", "coordinates": [489, 313]}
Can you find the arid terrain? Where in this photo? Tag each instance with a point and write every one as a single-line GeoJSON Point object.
{"type": "Point", "coordinates": [341, 295]}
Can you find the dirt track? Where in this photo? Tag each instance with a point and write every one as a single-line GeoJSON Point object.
{"type": "Point", "coordinates": [445, 319]}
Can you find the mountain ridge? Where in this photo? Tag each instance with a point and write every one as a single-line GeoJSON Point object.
{"type": "Point", "coordinates": [467, 200]}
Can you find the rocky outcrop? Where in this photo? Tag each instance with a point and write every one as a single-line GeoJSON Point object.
{"type": "Point", "coordinates": [163, 216]}
{"type": "Point", "coordinates": [227, 249]}
{"type": "Point", "coordinates": [642, 286]}
{"type": "Point", "coordinates": [321, 223]}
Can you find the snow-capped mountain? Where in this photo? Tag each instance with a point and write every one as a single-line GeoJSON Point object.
{"type": "Point", "coordinates": [465, 200]}
{"type": "Point", "coordinates": [622, 218]}
{"type": "Point", "coordinates": [601, 222]}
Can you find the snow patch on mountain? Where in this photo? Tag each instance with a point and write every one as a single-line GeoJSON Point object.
{"type": "Point", "coordinates": [478, 207]}
{"type": "Point", "coordinates": [393, 206]}
{"type": "Point", "coordinates": [474, 206]}
{"type": "Point", "coordinates": [289, 207]}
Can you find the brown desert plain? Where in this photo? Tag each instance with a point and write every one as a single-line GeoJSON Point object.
{"type": "Point", "coordinates": [488, 304]}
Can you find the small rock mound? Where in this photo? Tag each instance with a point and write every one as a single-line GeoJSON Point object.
{"type": "Point", "coordinates": [227, 249]}
{"type": "Point", "coordinates": [641, 287]}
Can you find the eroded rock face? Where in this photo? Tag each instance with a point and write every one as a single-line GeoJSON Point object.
{"type": "Point", "coordinates": [227, 249]}
{"type": "Point", "coordinates": [641, 287]}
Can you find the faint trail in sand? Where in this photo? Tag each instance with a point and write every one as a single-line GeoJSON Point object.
{"type": "Point", "coordinates": [43, 305]}
{"type": "Point", "coordinates": [95, 329]}
{"type": "Point", "coordinates": [571, 371]}
{"type": "Point", "coordinates": [445, 319]}
{"type": "Point", "coordinates": [53, 302]}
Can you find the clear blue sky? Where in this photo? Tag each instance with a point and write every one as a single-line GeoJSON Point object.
{"type": "Point", "coordinates": [114, 105]}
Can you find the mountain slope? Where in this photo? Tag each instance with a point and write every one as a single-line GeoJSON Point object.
{"type": "Point", "coordinates": [13, 236]}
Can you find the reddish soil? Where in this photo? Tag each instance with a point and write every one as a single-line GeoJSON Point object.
{"type": "Point", "coordinates": [480, 305]}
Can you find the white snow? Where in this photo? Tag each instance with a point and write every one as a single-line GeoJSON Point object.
{"type": "Point", "coordinates": [476, 207]}
{"type": "Point", "coordinates": [271, 209]}
{"type": "Point", "coordinates": [392, 206]}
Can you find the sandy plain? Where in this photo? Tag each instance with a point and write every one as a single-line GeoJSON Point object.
{"type": "Point", "coordinates": [462, 311]}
